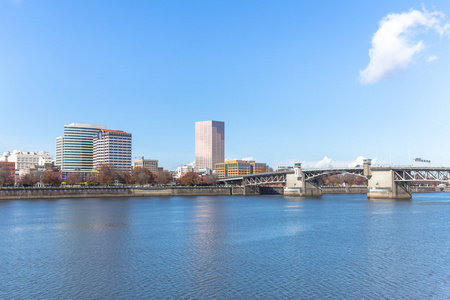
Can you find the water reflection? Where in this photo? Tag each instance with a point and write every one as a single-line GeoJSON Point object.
{"type": "Point", "coordinates": [208, 241]}
{"type": "Point", "coordinates": [225, 247]}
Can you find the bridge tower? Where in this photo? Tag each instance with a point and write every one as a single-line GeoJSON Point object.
{"type": "Point", "coordinates": [366, 166]}
{"type": "Point", "coordinates": [296, 185]}
{"type": "Point", "coordinates": [382, 184]}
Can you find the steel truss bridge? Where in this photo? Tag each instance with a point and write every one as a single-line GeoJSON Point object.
{"type": "Point", "coordinates": [258, 179]}
{"type": "Point", "coordinates": [412, 174]}
{"type": "Point", "coordinates": [271, 178]}
{"type": "Point", "coordinates": [401, 174]}
{"type": "Point", "coordinates": [316, 174]}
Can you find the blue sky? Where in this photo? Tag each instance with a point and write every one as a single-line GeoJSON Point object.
{"type": "Point", "coordinates": [284, 76]}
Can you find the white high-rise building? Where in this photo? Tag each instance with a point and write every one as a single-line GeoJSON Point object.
{"type": "Point", "coordinates": [74, 150]}
{"type": "Point", "coordinates": [209, 144]}
{"type": "Point", "coordinates": [26, 159]}
{"type": "Point", "coordinates": [113, 148]}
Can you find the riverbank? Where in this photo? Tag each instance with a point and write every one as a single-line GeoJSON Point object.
{"type": "Point", "coordinates": [363, 189]}
{"type": "Point", "coordinates": [95, 192]}
{"type": "Point", "coordinates": [168, 191]}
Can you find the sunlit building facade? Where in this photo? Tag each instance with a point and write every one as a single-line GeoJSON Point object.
{"type": "Point", "coordinates": [183, 170]}
{"type": "Point", "coordinates": [209, 144]}
{"type": "Point", "coordinates": [75, 150]}
{"type": "Point", "coordinates": [26, 159]}
{"type": "Point", "coordinates": [150, 164]}
{"type": "Point", "coordinates": [112, 148]}
{"type": "Point", "coordinates": [232, 168]}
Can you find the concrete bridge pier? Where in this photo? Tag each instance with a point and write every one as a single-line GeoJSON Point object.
{"type": "Point", "coordinates": [382, 184]}
{"type": "Point", "coordinates": [297, 186]}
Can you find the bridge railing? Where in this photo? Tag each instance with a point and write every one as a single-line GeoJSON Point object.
{"type": "Point", "coordinates": [391, 166]}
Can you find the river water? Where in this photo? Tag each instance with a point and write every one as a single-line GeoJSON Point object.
{"type": "Point", "coordinates": [339, 246]}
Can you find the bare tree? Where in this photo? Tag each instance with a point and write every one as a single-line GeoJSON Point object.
{"type": "Point", "coordinates": [27, 180]}
{"type": "Point", "coordinates": [105, 175]}
{"type": "Point", "coordinates": [91, 179]}
{"type": "Point", "coordinates": [142, 176]}
{"type": "Point", "coordinates": [191, 178]}
{"type": "Point", "coordinates": [6, 179]}
{"type": "Point", "coordinates": [163, 177]}
{"type": "Point", "coordinates": [74, 178]}
{"type": "Point", "coordinates": [51, 178]}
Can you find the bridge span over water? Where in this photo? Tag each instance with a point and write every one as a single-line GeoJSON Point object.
{"type": "Point", "coordinates": [392, 182]}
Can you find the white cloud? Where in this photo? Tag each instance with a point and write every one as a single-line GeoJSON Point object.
{"type": "Point", "coordinates": [432, 58]}
{"type": "Point", "coordinates": [359, 161]}
{"type": "Point", "coordinates": [245, 158]}
{"type": "Point", "coordinates": [249, 158]}
{"type": "Point", "coordinates": [323, 164]}
{"type": "Point", "coordinates": [393, 47]}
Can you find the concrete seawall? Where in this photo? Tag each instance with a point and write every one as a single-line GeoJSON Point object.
{"type": "Point", "coordinates": [94, 192]}
{"type": "Point", "coordinates": [363, 189]}
{"type": "Point", "coordinates": [344, 190]}
{"type": "Point", "coordinates": [181, 191]}
{"type": "Point", "coordinates": [155, 191]}
{"type": "Point", "coordinates": [67, 192]}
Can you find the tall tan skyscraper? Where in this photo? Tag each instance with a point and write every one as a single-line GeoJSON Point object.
{"type": "Point", "coordinates": [209, 144]}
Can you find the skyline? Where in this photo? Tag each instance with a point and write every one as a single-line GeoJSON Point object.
{"type": "Point", "coordinates": [285, 77]}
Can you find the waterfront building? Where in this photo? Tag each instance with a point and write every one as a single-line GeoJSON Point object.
{"type": "Point", "coordinates": [209, 144]}
{"type": "Point", "coordinates": [204, 171]}
{"type": "Point", "coordinates": [183, 170]}
{"type": "Point", "coordinates": [174, 174]}
{"type": "Point", "coordinates": [26, 159]}
{"type": "Point", "coordinates": [112, 148]}
{"type": "Point", "coordinates": [232, 168]}
{"type": "Point", "coordinates": [75, 150]}
{"type": "Point", "coordinates": [151, 164]}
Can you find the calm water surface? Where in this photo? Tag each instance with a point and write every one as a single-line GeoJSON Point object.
{"type": "Point", "coordinates": [339, 246]}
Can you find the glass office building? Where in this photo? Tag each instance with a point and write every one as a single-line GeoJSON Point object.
{"type": "Point", "coordinates": [74, 150]}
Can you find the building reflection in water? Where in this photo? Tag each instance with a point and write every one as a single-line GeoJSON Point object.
{"type": "Point", "coordinates": [208, 243]}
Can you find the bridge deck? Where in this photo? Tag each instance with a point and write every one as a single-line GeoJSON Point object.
{"type": "Point", "coordinates": [324, 171]}
{"type": "Point", "coordinates": [445, 169]}
{"type": "Point", "coordinates": [402, 173]}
